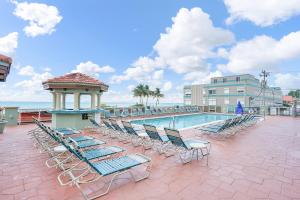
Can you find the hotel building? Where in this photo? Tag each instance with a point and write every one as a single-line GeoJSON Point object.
{"type": "Point", "coordinates": [223, 94]}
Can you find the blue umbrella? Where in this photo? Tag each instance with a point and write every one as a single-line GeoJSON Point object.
{"type": "Point", "coordinates": [239, 109]}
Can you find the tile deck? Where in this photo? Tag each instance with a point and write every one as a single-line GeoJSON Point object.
{"type": "Point", "coordinates": [262, 162]}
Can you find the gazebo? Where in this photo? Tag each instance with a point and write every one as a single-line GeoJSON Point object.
{"type": "Point", "coordinates": [76, 84]}
{"type": "Point", "coordinates": [5, 63]}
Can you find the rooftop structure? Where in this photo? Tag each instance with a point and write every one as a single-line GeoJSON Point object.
{"type": "Point", "coordinates": [75, 81]}
{"type": "Point", "coordinates": [5, 63]}
{"type": "Point", "coordinates": [288, 99]}
{"type": "Point", "coordinates": [223, 93]}
{"type": "Point", "coordinates": [76, 85]}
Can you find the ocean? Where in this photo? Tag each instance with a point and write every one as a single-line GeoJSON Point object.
{"type": "Point", "coordinates": [48, 105]}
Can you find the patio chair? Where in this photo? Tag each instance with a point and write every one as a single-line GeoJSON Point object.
{"type": "Point", "coordinates": [216, 128]}
{"type": "Point", "coordinates": [120, 133]}
{"type": "Point", "coordinates": [68, 160]}
{"type": "Point", "coordinates": [139, 137]}
{"type": "Point", "coordinates": [187, 148]}
{"type": "Point", "coordinates": [68, 132]}
{"type": "Point", "coordinates": [133, 112]}
{"type": "Point", "coordinates": [104, 130]}
{"type": "Point", "coordinates": [101, 170]}
{"type": "Point", "coordinates": [148, 112]}
{"type": "Point", "coordinates": [160, 143]}
{"type": "Point", "coordinates": [159, 111]}
{"type": "Point", "coordinates": [140, 112]}
{"type": "Point", "coordinates": [125, 112]}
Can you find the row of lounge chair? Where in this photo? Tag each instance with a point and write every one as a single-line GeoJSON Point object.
{"type": "Point", "coordinates": [230, 126]}
{"type": "Point", "coordinates": [169, 144]}
{"type": "Point", "coordinates": [85, 159]}
{"type": "Point", "coordinates": [133, 112]}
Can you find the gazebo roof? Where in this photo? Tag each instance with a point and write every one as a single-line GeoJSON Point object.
{"type": "Point", "coordinates": [75, 81]}
{"type": "Point", "coordinates": [5, 63]}
{"type": "Point", "coordinates": [5, 59]}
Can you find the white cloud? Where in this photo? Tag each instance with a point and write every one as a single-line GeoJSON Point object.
{"type": "Point", "coordinates": [42, 18]}
{"type": "Point", "coordinates": [201, 77]}
{"type": "Point", "coordinates": [34, 84]}
{"type": "Point", "coordinates": [167, 86]}
{"type": "Point", "coordinates": [183, 48]}
{"type": "Point", "coordinates": [140, 70]}
{"type": "Point", "coordinates": [287, 81]}
{"type": "Point", "coordinates": [158, 75]}
{"type": "Point", "coordinates": [29, 89]}
{"type": "Point", "coordinates": [261, 52]}
{"type": "Point", "coordinates": [190, 40]}
{"type": "Point", "coordinates": [9, 43]}
{"type": "Point", "coordinates": [47, 69]}
{"type": "Point", "coordinates": [262, 13]}
{"type": "Point", "coordinates": [93, 69]}
{"type": "Point", "coordinates": [26, 71]}
{"type": "Point", "coordinates": [130, 87]}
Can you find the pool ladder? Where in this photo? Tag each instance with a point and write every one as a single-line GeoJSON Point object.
{"type": "Point", "coordinates": [173, 123]}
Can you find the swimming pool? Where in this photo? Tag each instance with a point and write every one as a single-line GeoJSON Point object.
{"type": "Point", "coordinates": [182, 121]}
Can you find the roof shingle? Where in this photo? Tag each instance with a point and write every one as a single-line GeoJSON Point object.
{"type": "Point", "coordinates": [75, 78]}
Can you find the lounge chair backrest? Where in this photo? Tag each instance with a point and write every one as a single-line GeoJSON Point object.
{"type": "Point", "coordinates": [175, 137]}
{"type": "Point", "coordinates": [152, 132]}
{"type": "Point", "coordinates": [107, 124]}
{"type": "Point", "coordinates": [128, 127]}
{"type": "Point", "coordinates": [235, 121]}
{"type": "Point", "coordinates": [226, 124]}
{"type": "Point", "coordinates": [71, 145]}
{"type": "Point", "coordinates": [94, 123]}
{"type": "Point", "coordinates": [115, 125]}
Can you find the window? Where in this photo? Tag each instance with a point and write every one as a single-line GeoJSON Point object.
{"type": "Point", "coordinates": [215, 80]}
{"type": "Point", "coordinates": [213, 91]}
{"type": "Point", "coordinates": [238, 79]}
{"type": "Point", "coordinates": [203, 101]}
{"type": "Point", "coordinates": [226, 90]}
{"type": "Point", "coordinates": [240, 90]}
{"type": "Point", "coordinates": [212, 102]}
{"type": "Point", "coordinates": [187, 92]}
{"type": "Point", "coordinates": [224, 80]}
{"type": "Point", "coordinates": [226, 101]}
{"type": "Point", "coordinates": [203, 92]}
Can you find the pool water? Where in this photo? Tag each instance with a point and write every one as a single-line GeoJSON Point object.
{"type": "Point", "coordinates": [182, 121]}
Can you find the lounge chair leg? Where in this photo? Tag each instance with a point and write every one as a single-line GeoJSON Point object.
{"type": "Point", "coordinates": [207, 160]}
{"type": "Point", "coordinates": [85, 196]}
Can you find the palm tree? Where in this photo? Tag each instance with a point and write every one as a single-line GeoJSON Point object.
{"type": "Point", "coordinates": [139, 91]}
{"type": "Point", "coordinates": [157, 95]}
{"type": "Point", "coordinates": [147, 93]}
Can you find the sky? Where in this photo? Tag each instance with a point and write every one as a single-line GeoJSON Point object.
{"type": "Point", "coordinates": [165, 44]}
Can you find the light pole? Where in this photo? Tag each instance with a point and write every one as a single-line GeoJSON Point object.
{"type": "Point", "coordinates": [264, 74]}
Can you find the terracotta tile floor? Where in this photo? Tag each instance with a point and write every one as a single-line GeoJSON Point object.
{"type": "Point", "coordinates": [262, 162]}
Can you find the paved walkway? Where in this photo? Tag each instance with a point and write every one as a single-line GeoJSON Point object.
{"type": "Point", "coordinates": [262, 162]}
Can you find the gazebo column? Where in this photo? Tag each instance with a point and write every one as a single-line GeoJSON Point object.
{"type": "Point", "coordinates": [54, 100]}
{"type": "Point", "coordinates": [98, 101]}
{"type": "Point", "coordinates": [93, 101]}
{"type": "Point", "coordinates": [58, 101]}
{"type": "Point", "coordinates": [63, 103]}
{"type": "Point", "coordinates": [76, 100]}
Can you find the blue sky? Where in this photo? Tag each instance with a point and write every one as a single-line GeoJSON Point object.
{"type": "Point", "coordinates": [120, 43]}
